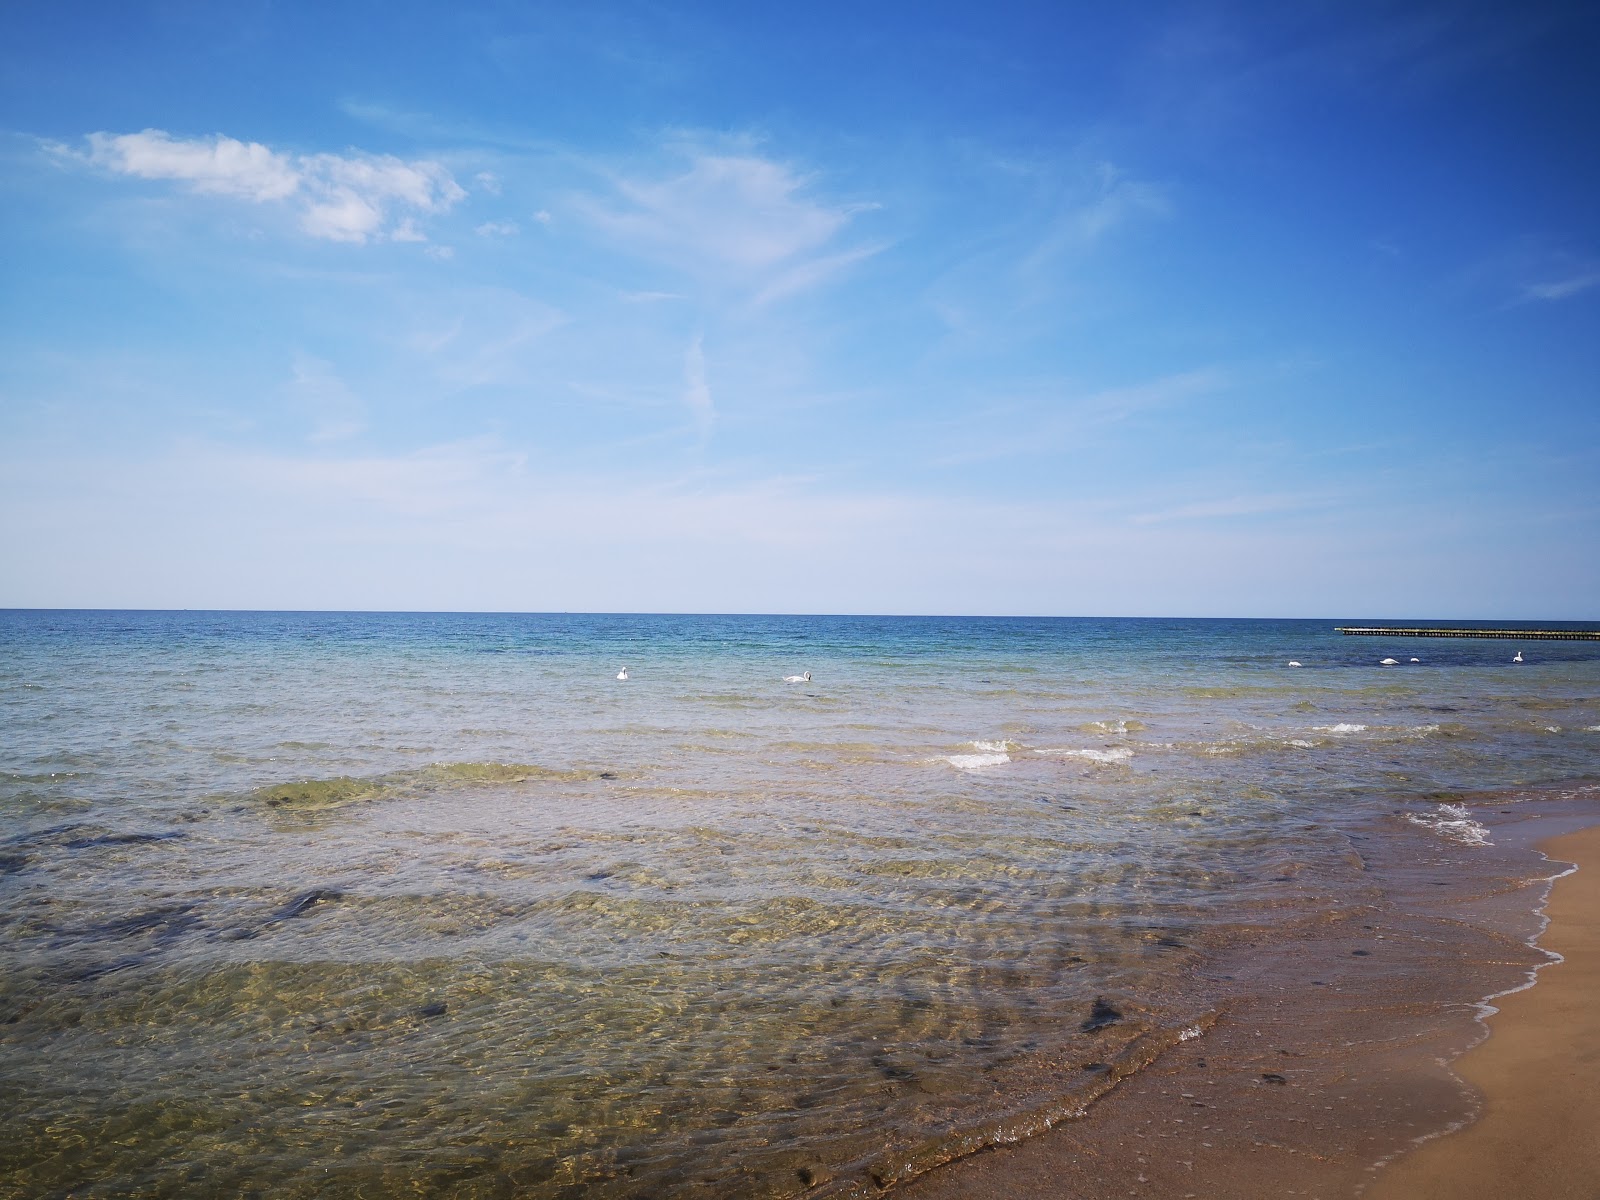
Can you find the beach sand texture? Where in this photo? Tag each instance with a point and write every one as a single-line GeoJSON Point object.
{"type": "Point", "coordinates": [1539, 1072]}
{"type": "Point", "coordinates": [1252, 1110]}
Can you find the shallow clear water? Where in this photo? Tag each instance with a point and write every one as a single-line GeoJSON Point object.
{"type": "Point", "coordinates": [340, 904]}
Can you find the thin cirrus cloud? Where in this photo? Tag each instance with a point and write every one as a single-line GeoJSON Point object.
{"type": "Point", "coordinates": [1561, 289]}
{"type": "Point", "coordinates": [354, 197]}
{"type": "Point", "coordinates": [735, 216]}
{"type": "Point", "coordinates": [1094, 208]}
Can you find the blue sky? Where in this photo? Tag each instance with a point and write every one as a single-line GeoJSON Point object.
{"type": "Point", "coordinates": [1209, 309]}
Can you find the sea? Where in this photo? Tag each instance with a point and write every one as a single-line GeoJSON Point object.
{"type": "Point", "coordinates": [436, 905]}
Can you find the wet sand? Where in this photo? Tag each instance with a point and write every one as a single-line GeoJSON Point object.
{"type": "Point", "coordinates": [1330, 1058]}
{"type": "Point", "coordinates": [1539, 1071]}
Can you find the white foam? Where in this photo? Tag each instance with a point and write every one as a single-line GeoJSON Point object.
{"type": "Point", "coordinates": [1453, 821]}
{"type": "Point", "coordinates": [1341, 727]}
{"type": "Point", "coordinates": [1116, 726]}
{"type": "Point", "coordinates": [992, 747]}
{"type": "Point", "coordinates": [1116, 754]}
{"type": "Point", "coordinates": [975, 762]}
{"type": "Point", "coordinates": [1302, 743]}
{"type": "Point", "coordinates": [1591, 728]}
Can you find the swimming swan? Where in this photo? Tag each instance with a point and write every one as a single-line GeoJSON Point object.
{"type": "Point", "coordinates": [1390, 662]}
{"type": "Point", "coordinates": [1292, 663]}
{"type": "Point", "coordinates": [1518, 658]}
{"type": "Point", "coordinates": [806, 678]}
{"type": "Point", "coordinates": [622, 674]}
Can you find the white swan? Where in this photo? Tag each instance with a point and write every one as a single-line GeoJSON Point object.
{"type": "Point", "coordinates": [1390, 662]}
{"type": "Point", "coordinates": [1416, 660]}
{"type": "Point", "coordinates": [1518, 658]}
{"type": "Point", "coordinates": [806, 678]}
{"type": "Point", "coordinates": [1292, 663]}
{"type": "Point", "coordinates": [622, 674]}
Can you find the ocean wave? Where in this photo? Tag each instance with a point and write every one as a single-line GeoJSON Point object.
{"type": "Point", "coordinates": [1112, 727]}
{"type": "Point", "coordinates": [1454, 822]}
{"type": "Point", "coordinates": [1341, 727]}
{"type": "Point", "coordinates": [974, 762]}
{"type": "Point", "coordinates": [1114, 755]}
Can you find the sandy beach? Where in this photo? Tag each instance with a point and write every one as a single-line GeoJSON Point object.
{"type": "Point", "coordinates": [1281, 1098]}
{"type": "Point", "coordinates": [1539, 1071]}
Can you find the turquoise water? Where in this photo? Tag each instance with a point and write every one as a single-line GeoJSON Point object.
{"type": "Point", "coordinates": [349, 904]}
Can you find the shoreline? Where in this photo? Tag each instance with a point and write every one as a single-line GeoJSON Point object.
{"type": "Point", "coordinates": [1349, 1084]}
{"type": "Point", "coordinates": [1537, 1134]}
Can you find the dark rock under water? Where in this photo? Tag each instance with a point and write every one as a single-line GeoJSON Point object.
{"type": "Point", "coordinates": [1101, 1015]}
{"type": "Point", "coordinates": [304, 903]}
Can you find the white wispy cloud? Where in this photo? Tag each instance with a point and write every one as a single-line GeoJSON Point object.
{"type": "Point", "coordinates": [498, 229]}
{"type": "Point", "coordinates": [353, 197]}
{"type": "Point", "coordinates": [1092, 208]}
{"type": "Point", "coordinates": [1534, 270]}
{"type": "Point", "coordinates": [739, 216]}
{"type": "Point", "coordinates": [1055, 417]}
{"type": "Point", "coordinates": [812, 272]}
{"type": "Point", "coordinates": [481, 336]}
{"type": "Point", "coordinates": [1120, 403]}
{"type": "Point", "coordinates": [1561, 289]}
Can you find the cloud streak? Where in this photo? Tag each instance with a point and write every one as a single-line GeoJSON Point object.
{"type": "Point", "coordinates": [1561, 289]}
{"type": "Point", "coordinates": [354, 197]}
{"type": "Point", "coordinates": [734, 217]}
{"type": "Point", "coordinates": [1110, 200]}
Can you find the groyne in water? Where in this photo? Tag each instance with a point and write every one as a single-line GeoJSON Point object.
{"type": "Point", "coordinates": [1545, 635]}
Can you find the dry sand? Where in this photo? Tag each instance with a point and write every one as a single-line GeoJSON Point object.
{"type": "Point", "coordinates": [1288, 1098]}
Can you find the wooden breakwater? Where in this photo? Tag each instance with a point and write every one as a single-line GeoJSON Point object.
{"type": "Point", "coordinates": [1536, 635]}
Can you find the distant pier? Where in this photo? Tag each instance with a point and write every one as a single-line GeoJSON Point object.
{"type": "Point", "coordinates": [1532, 635]}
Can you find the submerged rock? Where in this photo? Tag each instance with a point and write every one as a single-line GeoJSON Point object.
{"type": "Point", "coordinates": [123, 839]}
{"type": "Point", "coordinates": [304, 902]}
{"type": "Point", "coordinates": [1101, 1015]}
